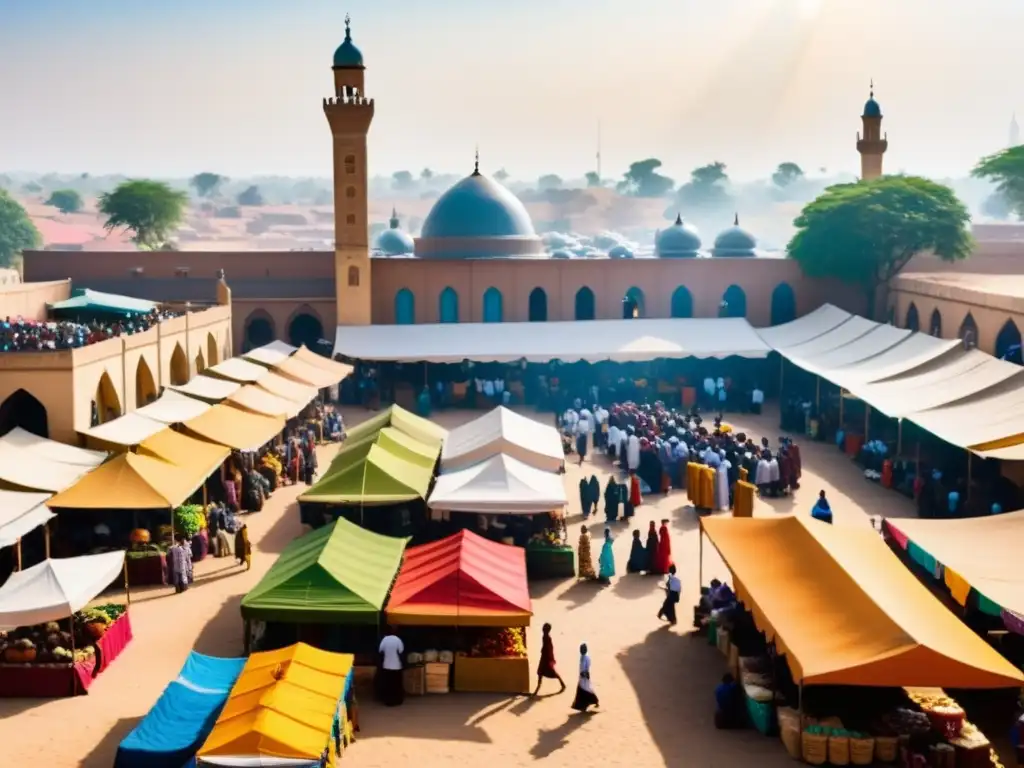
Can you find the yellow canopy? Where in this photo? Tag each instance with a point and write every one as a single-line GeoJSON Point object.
{"type": "Point", "coordinates": [130, 481]}
{"type": "Point", "coordinates": [306, 355]}
{"type": "Point", "coordinates": [282, 706]}
{"type": "Point", "coordinates": [185, 451]}
{"type": "Point", "coordinates": [307, 373]}
{"type": "Point", "coordinates": [845, 611]}
{"type": "Point", "coordinates": [235, 428]}
{"type": "Point", "coordinates": [284, 387]}
{"type": "Point", "coordinates": [257, 400]}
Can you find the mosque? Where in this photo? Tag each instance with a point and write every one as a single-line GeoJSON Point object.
{"type": "Point", "coordinates": [476, 259]}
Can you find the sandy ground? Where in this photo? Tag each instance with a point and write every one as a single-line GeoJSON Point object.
{"type": "Point", "coordinates": [655, 682]}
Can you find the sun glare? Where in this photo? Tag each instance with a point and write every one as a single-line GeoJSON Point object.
{"type": "Point", "coordinates": [809, 8]}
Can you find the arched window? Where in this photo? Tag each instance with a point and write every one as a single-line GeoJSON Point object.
{"type": "Point", "coordinates": [682, 302]}
{"type": "Point", "coordinates": [305, 329]}
{"type": "Point", "coordinates": [145, 386]}
{"type": "Point", "coordinates": [212, 353]}
{"type": "Point", "coordinates": [353, 277]}
{"type": "Point", "coordinates": [492, 305]}
{"type": "Point", "coordinates": [259, 330]}
{"type": "Point", "coordinates": [734, 302]}
{"type": "Point", "coordinates": [350, 164]}
{"type": "Point", "coordinates": [1008, 343]}
{"type": "Point", "coordinates": [935, 326]}
{"type": "Point", "coordinates": [22, 410]}
{"type": "Point", "coordinates": [585, 304]}
{"type": "Point", "coordinates": [783, 304]}
{"type": "Point", "coordinates": [350, 192]}
{"type": "Point", "coordinates": [633, 304]}
{"type": "Point", "coordinates": [969, 332]}
{"type": "Point", "coordinates": [200, 362]}
{"type": "Point", "coordinates": [108, 404]}
{"type": "Point", "coordinates": [538, 305]}
{"type": "Point", "coordinates": [913, 321]}
{"type": "Point", "coordinates": [405, 307]}
{"type": "Point", "coordinates": [179, 366]}
{"type": "Point", "coordinates": [448, 306]}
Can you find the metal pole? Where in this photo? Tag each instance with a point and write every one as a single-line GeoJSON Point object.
{"type": "Point", "coordinates": [867, 421]}
{"type": "Point", "coordinates": [46, 538]}
{"type": "Point", "coordinates": [817, 394]}
{"type": "Point", "coordinates": [127, 591]}
{"type": "Point", "coordinates": [899, 438]}
{"type": "Point", "coordinates": [17, 554]}
{"type": "Point", "coordinates": [700, 557]}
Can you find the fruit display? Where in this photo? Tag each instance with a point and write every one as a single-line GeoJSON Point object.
{"type": "Point", "coordinates": [510, 641]}
{"type": "Point", "coordinates": [189, 519]}
{"type": "Point", "coordinates": [51, 643]}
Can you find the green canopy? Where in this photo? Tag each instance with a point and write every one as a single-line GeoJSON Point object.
{"type": "Point", "coordinates": [418, 428]}
{"type": "Point", "coordinates": [85, 301]}
{"type": "Point", "coordinates": [390, 439]}
{"type": "Point", "coordinates": [377, 477]}
{"type": "Point", "coordinates": [338, 574]}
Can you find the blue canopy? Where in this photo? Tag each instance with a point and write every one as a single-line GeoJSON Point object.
{"type": "Point", "coordinates": [175, 728]}
{"type": "Point", "coordinates": [87, 301]}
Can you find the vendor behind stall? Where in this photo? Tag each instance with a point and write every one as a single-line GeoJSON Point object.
{"type": "Point", "coordinates": [728, 703]}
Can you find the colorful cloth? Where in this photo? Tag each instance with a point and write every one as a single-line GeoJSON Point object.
{"type": "Point", "coordinates": [586, 560]}
{"type": "Point", "coordinates": [663, 557]}
{"type": "Point", "coordinates": [959, 589]}
{"type": "Point", "coordinates": [606, 562]}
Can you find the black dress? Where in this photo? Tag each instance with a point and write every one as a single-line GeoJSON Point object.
{"type": "Point", "coordinates": [652, 547]}
{"type": "Point", "coordinates": [638, 560]}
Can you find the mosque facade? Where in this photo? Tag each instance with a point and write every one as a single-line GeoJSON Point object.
{"type": "Point", "coordinates": [477, 258]}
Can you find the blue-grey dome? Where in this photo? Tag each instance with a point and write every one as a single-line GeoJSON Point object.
{"type": "Point", "coordinates": [395, 241]}
{"type": "Point", "coordinates": [735, 241]}
{"type": "Point", "coordinates": [560, 254]}
{"type": "Point", "coordinates": [346, 55]}
{"type": "Point", "coordinates": [478, 207]}
{"type": "Point", "coordinates": [872, 109]}
{"type": "Point", "coordinates": [680, 241]}
{"type": "Point", "coordinates": [620, 252]}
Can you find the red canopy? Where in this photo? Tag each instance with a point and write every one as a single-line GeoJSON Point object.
{"type": "Point", "coordinates": [464, 579]}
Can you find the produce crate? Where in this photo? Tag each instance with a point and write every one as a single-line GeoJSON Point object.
{"type": "Point", "coordinates": [762, 715]}
{"type": "Point", "coordinates": [550, 562]}
{"type": "Point", "coordinates": [507, 674]}
{"type": "Point", "coordinates": [414, 680]}
{"type": "Point", "coordinates": [437, 677]}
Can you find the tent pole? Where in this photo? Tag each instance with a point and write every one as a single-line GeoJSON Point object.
{"type": "Point", "coordinates": [899, 438]}
{"type": "Point", "coordinates": [17, 554]}
{"type": "Point", "coordinates": [867, 421]}
{"type": "Point", "coordinates": [817, 394]}
{"type": "Point", "coordinates": [970, 473]}
{"type": "Point", "coordinates": [46, 538]}
{"type": "Point", "coordinates": [841, 391]}
{"type": "Point", "coordinates": [127, 591]}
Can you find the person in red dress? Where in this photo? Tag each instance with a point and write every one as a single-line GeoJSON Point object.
{"type": "Point", "coordinates": [546, 667]}
{"type": "Point", "coordinates": [635, 497]}
{"type": "Point", "coordinates": [663, 557]}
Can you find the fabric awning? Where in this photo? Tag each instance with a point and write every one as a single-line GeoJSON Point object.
{"type": "Point", "coordinates": [304, 373]}
{"type": "Point", "coordinates": [907, 357]}
{"type": "Point", "coordinates": [862, 618]}
{"type": "Point", "coordinates": [252, 398]}
{"type": "Point", "coordinates": [207, 388]}
{"type": "Point", "coordinates": [128, 430]}
{"type": "Point", "coordinates": [289, 389]}
{"type": "Point", "coordinates": [237, 369]}
{"type": "Point", "coordinates": [337, 369]}
{"type": "Point", "coordinates": [983, 423]}
{"type": "Point", "coordinates": [86, 301]}
{"type": "Point", "coordinates": [417, 427]}
{"type": "Point", "coordinates": [21, 513]}
{"type": "Point", "coordinates": [853, 329]}
{"type": "Point", "coordinates": [173, 408]}
{"type": "Point", "coordinates": [185, 451]}
{"type": "Point", "coordinates": [235, 428]}
{"type": "Point", "coordinates": [984, 551]}
{"type": "Point", "coordinates": [463, 580]}
{"type": "Point", "coordinates": [873, 343]}
{"type": "Point", "coordinates": [131, 481]}
{"type": "Point", "coordinates": [338, 574]}
{"type": "Point", "coordinates": [50, 450]}
{"type": "Point", "coordinates": [822, 320]}
{"type": "Point", "coordinates": [499, 485]}
{"type": "Point", "coordinates": [56, 588]}
{"type": "Point", "coordinates": [503, 431]}
{"type": "Point", "coordinates": [379, 477]}
{"type": "Point", "coordinates": [393, 441]}
{"type": "Point", "coordinates": [568, 341]}
{"type": "Point", "coordinates": [270, 354]}
{"type": "Point", "coordinates": [32, 471]}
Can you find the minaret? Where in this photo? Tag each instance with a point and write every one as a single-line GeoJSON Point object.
{"type": "Point", "coordinates": [1014, 131]}
{"type": "Point", "coordinates": [873, 143]}
{"type": "Point", "coordinates": [349, 113]}
{"type": "Point", "coordinates": [394, 222]}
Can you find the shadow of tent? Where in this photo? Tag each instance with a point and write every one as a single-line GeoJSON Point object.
{"type": "Point", "coordinates": [99, 757]}
{"type": "Point", "coordinates": [222, 635]}
{"type": "Point", "coordinates": [456, 717]}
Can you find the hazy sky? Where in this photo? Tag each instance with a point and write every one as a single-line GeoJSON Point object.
{"type": "Point", "coordinates": [235, 86]}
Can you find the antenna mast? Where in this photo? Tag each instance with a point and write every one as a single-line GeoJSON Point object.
{"type": "Point", "coordinates": [599, 177]}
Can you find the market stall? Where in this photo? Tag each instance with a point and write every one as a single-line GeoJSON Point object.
{"type": "Point", "coordinates": [865, 625]}
{"type": "Point", "coordinates": [423, 430]}
{"type": "Point", "coordinates": [502, 431]}
{"type": "Point", "coordinates": [474, 591]}
{"type": "Point", "coordinates": [173, 730]}
{"type": "Point", "coordinates": [237, 369]}
{"type": "Point", "coordinates": [270, 354]}
{"type": "Point", "coordinates": [20, 513]}
{"type": "Point", "coordinates": [338, 575]}
{"type": "Point", "coordinates": [284, 387]}
{"type": "Point", "coordinates": [43, 448]}
{"type": "Point", "coordinates": [51, 647]}
{"type": "Point", "coordinates": [235, 428]}
{"type": "Point", "coordinates": [293, 707]}
{"type": "Point", "coordinates": [257, 400]}
{"type": "Point", "coordinates": [24, 470]}
{"type": "Point", "coordinates": [173, 408]}
{"type": "Point", "coordinates": [206, 388]}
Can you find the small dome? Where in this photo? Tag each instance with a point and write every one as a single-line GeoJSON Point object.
{"type": "Point", "coordinates": [871, 107]}
{"type": "Point", "coordinates": [478, 207]}
{"type": "Point", "coordinates": [680, 241]}
{"type": "Point", "coordinates": [346, 55]}
{"type": "Point", "coordinates": [735, 241]}
{"type": "Point", "coordinates": [620, 252]}
{"type": "Point", "coordinates": [395, 241]}
{"type": "Point", "coordinates": [561, 255]}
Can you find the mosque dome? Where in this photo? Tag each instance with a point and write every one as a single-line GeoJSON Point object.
{"type": "Point", "coordinates": [620, 252]}
{"type": "Point", "coordinates": [395, 241]}
{"type": "Point", "coordinates": [735, 241]}
{"type": "Point", "coordinates": [872, 107]}
{"type": "Point", "coordinates": [680, 241]}
{"type": "Point", "coordinates": [346, 55]}
{"type": "Point", "coordinates": [478, 206]}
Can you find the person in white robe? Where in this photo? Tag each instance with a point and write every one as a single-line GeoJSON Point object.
{"type": "Point", "coordinates": [633, 452]}
{"type": "Point", "coordinates": [722, 483]}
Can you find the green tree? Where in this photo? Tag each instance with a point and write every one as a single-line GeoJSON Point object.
{"type": "Point", "coordinates": [642, 180]}
{"type": "Point", "coordinates": [549, 181]}
{"type": "Point", "coordinates": [31, 188]}
{"type": "Point", "coordinates": [251, 195]}
{"type": "Point", "coordinates": [17, 232]}
{"type": "Point", "coordinates": [402, 180]}
{"type": "Point", "coordinates": [501, 175]}
{"type": "Point", "coordinates": [150, 209]}
{"type": "Point", "coordinates": [1006, 170]}
{"type": "Point", "coordinates": [206, 183]}
{"type": "Point", "coordinates": [65, 200]}
{"type": "Point", "coordinates": [995, 207]}
{"type": "Point", "coordinates": [593, 180]}
{"type": "Point", "coordinates": [426, 174]}
{"type": "Point", "coordinates": [865, 233]}
{"type": "Point", "coordinates": [707, 188]}
{"type": "Point", "coordinates": [786, 174]}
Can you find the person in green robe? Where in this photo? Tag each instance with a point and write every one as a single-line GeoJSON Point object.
{"type": "Point", "coordinates": [423, 403]}
{"type": "Point", "coordinates": [606, 562]}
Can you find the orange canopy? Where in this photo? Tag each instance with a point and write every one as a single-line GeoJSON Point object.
{"type": "Point", "coordinates": [465, 580]}
{"type": "Point", "coordinates": [845, 610]}
{"type": "Point", "coordinates": [235, 428]}
{"type": "Point", "coordinates": [185, 451]}
{"type": "Point", "coordinates": [287, 388]}
{"type": "Point", "coordinates": [130, 481]}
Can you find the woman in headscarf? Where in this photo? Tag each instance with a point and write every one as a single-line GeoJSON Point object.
{"type": "Point", "coordinates": [822, 510]}
{"type": "Point", "coordinates": [585, 497]}
{"type": "Point", "coordinates": [663, 558]}
{"type": "Point", "coordinates": [546, 666]}
{"type": "Point", "coordinates": [586, 560]}
{"type": "Point", "coordinates": [652, 547]}
{"type": "Point", "coordinates": [628, 510]}
{"type": "Point", "coordinates": [606, 562]}
{"type": "Point", "coordinates": [635, 497]}
{"type": "Point", "coordinates": [638, 560]}
{"type": "Point", "coordinates": [585, 696]}
{"type": "Point", "coordinates": [243, 549]}
{"type": "Point", "coordinates": [611, 500]}
{"type": "Point", "coordinates": [594, 489]}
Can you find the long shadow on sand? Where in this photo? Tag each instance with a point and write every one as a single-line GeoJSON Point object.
{"type": "Point", "coordinates": [107, 746]}
{"type": "Point", "coordinates": [222, 635]}
{"type": "Point", "coordinates": [581, 593]}
{"type": "Point", "coordinates": [457, 717]}
{"type": "Point", "coordinates": [552, 740]}
{"type": "Point", "coordinates": [286, 529]}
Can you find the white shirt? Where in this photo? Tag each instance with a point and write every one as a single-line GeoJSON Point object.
{"type": "Point", "coordinates": [720, 383]}
{"type": "Point", "coordinates": [392, 647]}
{"type": "Point", "coordinates": [633, 452]}
{"type": "Point", "coordinates": [674, 584]}
{"type": "Point", "coordinates": [499, 385]}
{"type": "Point", "coordinates": [583, 427]}
{"type": "Point", "coordinates": [489, 388]}
{"type": "Point", "coordinates": [479, 385]}
{"type": "Point", "coordinates": [757, 397]}
{"type": "Point", "coordinates": [709, 385]}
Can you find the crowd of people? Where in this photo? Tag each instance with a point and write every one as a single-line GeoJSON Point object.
{"type": "Point", "coordinates": [20, 335]}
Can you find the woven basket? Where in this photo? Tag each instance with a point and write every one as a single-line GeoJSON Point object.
{"type": "Point", "coordinates": [886, 749]}
{"type": "Point", "coordinates": [839, 750]}
{"type": "Point", "coordinates": [814, 748]}
{"type": "Point", "coordinates": [790, 735]}
{"type": "Point", "coordinates": [862, 751]}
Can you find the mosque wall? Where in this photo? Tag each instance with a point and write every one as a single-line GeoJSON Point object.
{"type": "Point", "coordinates": [29, 300]}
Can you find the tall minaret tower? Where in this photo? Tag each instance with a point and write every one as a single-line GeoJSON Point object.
{"type": "Point", "coordinates": [1014, 131]}
{"type": "Point", "coordinates": [873, 143]}
{"type": "Point", "coordinates": [349, 114]}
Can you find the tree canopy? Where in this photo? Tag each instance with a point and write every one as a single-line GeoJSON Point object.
{"type": "Point", "coordinates": [251, 195]}
{"type": "Point", "coordinates": [17, 232]}
{"type": "Point", "coordinates": [865, 233]}
{"type": "Point", "coordinates": [707, 188]}
{"type": "Point", "coordinates": [206, 183]}
{"type": "Point", "coordinates": [786, 174]}
{"type": "Point", "coordinates": [642, 180]}
{"type": "Point", "coordinates": [500, 175]}
{"type": "Point", "coordinates": [1006, 170]}
{"type": "Point", "coordinates": [152, 210]}
{"type": "Point", "coordinates": [593, 180]}
{"type": "Point", "coordinates": [549, 181]}
{"type": "Point", "coordinates": [65, 200]}
{"type": "Point", "coordinates": [402, 180]}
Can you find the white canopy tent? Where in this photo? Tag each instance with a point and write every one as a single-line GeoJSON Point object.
{"type": "Point", "coordinates": [591, 340]}
{"type": "Point", "coordinates": [207, 388]}
{"type": "Point", "coordinates": [31, 471]}
{"type": "Point", "coordinates": [498, 485]}
{"type": "Point", "coordinates": [21, 513]}
{"type": "Point", "coordinates": [804, 329]}
{"type": "Point", "coordinates": [128, 430]}
{"type": "Point", "coordinates": [56, 588]}
{"type": "Point", "coordinates": [43, 448]}
{"type": "Point", "coordinates": [503, 431]}
{"type": "Point", "coordinates": [257, 400]}
{"type": "Point", "coordinates": [270, 354]}
{"type": "Point", "coordinates": [173, 408]}
{"type": "Point", "coordinates": [237, 369]}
